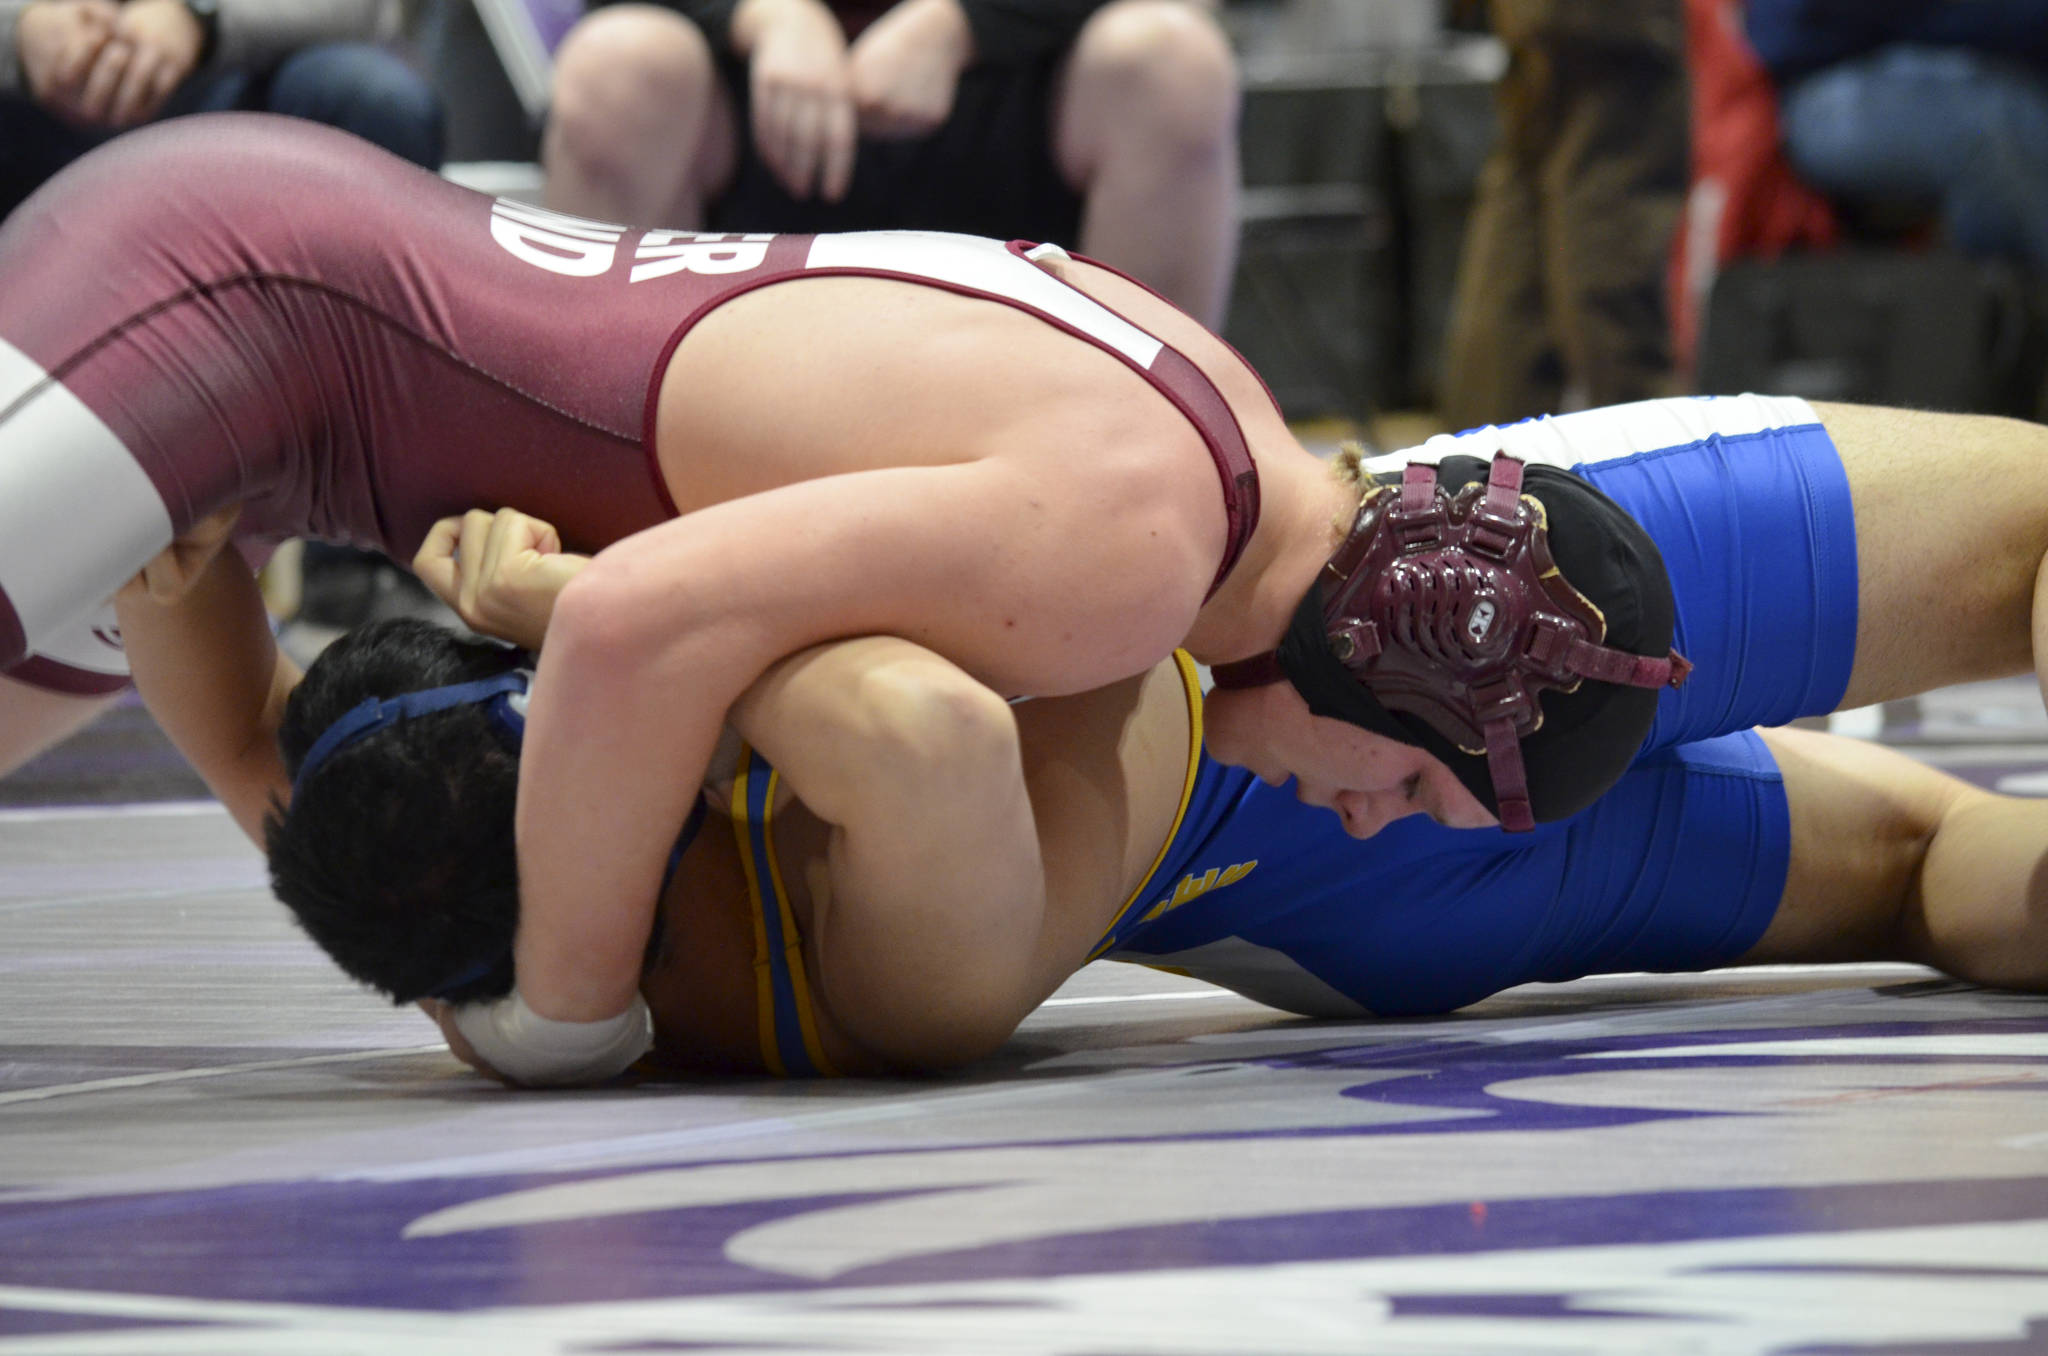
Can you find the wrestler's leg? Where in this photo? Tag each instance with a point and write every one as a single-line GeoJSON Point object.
{"type": "Point", "coordinates": [1951, 530]}
{"type": "Point", "coordinates": [1894, 860]}
{"type": "Point", "coordinates": [34, 718]}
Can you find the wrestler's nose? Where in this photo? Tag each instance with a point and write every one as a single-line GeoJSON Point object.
{"type": "Point", "coordinates": [1365, 813]}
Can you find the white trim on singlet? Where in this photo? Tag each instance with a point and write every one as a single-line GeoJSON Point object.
{"type": "Point", "coordinates": [78, 516]}
{"type": "Point", "coordinates": [1616, 431]}
{"type": "Point", "coordinates": [984, 266]}
{"type": "Point", "coordinates": [91, 643]}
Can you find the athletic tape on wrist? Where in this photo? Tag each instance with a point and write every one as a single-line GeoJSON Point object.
{"type": "Point", "coordinates": [544, 1053]}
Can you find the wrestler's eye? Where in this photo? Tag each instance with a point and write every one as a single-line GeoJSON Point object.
{"type": "Point", "coordinates": [1411, 786]}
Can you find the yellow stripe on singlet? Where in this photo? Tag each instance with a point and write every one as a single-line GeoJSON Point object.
{"type": "Point", "coordinates": [792, 941]}
{"type": "Point", "coordinates": [1191, 689]}
{"type": "Point", "coordinates": [764, 977]}
{"type": "Point", "coordinates": [793, 945]}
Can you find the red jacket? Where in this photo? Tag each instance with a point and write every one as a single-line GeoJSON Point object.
{"type": "Point", "coordinates": [1745, 199]}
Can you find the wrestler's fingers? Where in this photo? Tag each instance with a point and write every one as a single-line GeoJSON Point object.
{"type": "Point", "coordinates": [515, 534]}
{"type": "Point", "coordinates": [443, 1015]}
{"type": "Point", "coordinates": [434, 562]}
{"type": "Point", "coordinates": [471, 554]}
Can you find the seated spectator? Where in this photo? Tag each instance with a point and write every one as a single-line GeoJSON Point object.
{"type": "Point", "coordinates": [1111, 127]}
{"type": "Point", "coordinates": [1935, 103]}
{"type": "Point", "coordinates": [75, 72]}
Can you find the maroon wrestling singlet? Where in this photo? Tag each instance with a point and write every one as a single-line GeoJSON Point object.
{"type": "Point", "coordinates": [238, 307]}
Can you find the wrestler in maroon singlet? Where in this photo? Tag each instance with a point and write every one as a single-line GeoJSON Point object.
{"type": "Point", "coordinates": [256, 309]}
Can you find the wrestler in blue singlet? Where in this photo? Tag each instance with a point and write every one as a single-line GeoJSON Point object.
{"type": "Point", "coordinates": [1748, 503]}
{"type": "Point", "coordinates": [1679, 867]}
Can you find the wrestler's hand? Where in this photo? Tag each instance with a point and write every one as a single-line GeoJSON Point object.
{"type": "Point", "coordinates": [57, 42]}
{"type": "Point", "coordinates": [175, 569]}
{"type": "Point", "coordinates": [804, 125]}
{"type": "Point", "coordinates": [163, 42]}
{"type": "Point", "coordinates": [501, 572]}
{"type": "Point", "coordinates": [443, 1015]}
{"type": "Point", "coordinates": [906, 68]}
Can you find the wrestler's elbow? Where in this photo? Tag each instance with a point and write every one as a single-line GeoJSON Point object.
{"type": "Point", "coordinates": [926, 724]}
{"type": "Point", "coordinates": [948, 1032]}
{"type": "Point", "coordinates": [616, 622]}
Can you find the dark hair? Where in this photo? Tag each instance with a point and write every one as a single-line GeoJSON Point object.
{"type": "Point", "coordinates": [397, 855]}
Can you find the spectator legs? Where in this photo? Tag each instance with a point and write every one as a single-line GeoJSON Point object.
{"type": "Point", "coordinates": [1145, 129]}
{"type": "Point", "coordinates": [640, 130]}
{"type": "Point", "coordinates": [1951, 125]}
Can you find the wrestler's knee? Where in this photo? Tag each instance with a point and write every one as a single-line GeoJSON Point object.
{"type": "Point", "coordinates": [1982, 903]}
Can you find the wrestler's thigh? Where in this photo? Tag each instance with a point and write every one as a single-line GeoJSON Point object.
{"type": "Point", "coordinates": [1951, 527]}
{"type": "Point", "coordinates": [34, 718]}
{"type": "Point", "coordinates": [1862, 816]}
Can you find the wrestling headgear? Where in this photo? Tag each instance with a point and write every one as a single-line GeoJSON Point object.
{"type": "Point", "coordinates": [503, 696]}
{"type": "Point", "coordinates": [1452, 605]}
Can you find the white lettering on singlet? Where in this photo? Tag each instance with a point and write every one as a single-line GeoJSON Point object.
{"type": "Point", "coordinates": [577, 247]}
{"type": "Point", "coordinates": [664, 252]}
{"type": "Point", "coordinates": [555, 241]}
{"type": "Point", "coordinates": [987, 266]}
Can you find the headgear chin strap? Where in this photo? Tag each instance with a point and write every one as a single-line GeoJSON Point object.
{"type": "Point", "coordinates": [504, 696]}
{"type": "Point", "coordinates": [1445, 615]}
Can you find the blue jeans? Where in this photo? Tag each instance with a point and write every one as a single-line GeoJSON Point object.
{"type": "Point", "coordinates": [1962, 130]}
{"type": "Point", "coordinates": [358, 87]}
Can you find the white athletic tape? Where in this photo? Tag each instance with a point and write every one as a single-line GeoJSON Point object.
{"type": "Point", "coordinates": [543, 1053]}
{"type": "Point", "coordinates": [78, 517]}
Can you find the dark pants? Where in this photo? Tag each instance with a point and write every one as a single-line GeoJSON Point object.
{"type": "Point", "coordinates": [357, 87]}
{"type": "Point", "coordinates": [1561, 285]}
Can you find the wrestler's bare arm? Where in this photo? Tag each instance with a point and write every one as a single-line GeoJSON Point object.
{"type": "Point", "coordinates": [926, 921]}
{"type": "Point", "coordinates": [213, 678]}
{"type": "Point", "coordinates": [1027, 590]}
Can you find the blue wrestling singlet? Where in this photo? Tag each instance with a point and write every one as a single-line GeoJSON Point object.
{"type": "Point", "coordinates": [790, 1045]}
{"type": "Point", "coordinates": [1679, 867]}
{"type": "Point", "coordinates": [1747, 501]}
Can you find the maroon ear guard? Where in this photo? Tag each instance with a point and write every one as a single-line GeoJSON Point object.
{"type": "Point", "coordinates": [1443, 617]}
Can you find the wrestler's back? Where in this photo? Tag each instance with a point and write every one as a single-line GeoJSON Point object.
{"type": "Point", "coordinates": [934, 376]}
{"type": "Point", "coordinates": [263, 311]}
{"type": "Point", "coordinates": [266, 311]}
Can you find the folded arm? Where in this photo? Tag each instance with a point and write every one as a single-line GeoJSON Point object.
{"type": "Point", "coordinates": [926, 924]}
{"type": "Point", "coordinates": [651, 645]}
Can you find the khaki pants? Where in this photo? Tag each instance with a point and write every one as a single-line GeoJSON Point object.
{"type": "Point", "coordinates": [1561, 286]}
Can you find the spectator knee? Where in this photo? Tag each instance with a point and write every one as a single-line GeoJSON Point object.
{"type": "Point", "coordinates": [623, 75]}
{"type": "Point", "coordinates": [1167, 69]}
